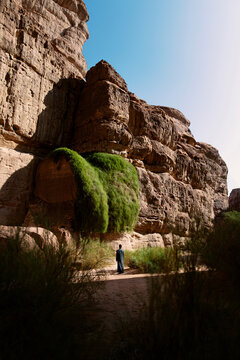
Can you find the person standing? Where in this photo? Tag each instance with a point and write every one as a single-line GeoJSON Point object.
{"type": "Point", "coordinates": [120, 260]}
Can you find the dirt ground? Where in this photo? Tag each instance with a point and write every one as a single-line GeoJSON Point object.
{"type": "Point", "coordinates": [118, 301]}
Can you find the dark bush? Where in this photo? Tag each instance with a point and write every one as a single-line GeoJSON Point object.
{"type": "Point", "coordinates": [193, 315]}
{"type": "Point", "coordinates": [189, 316]}
{"type": "Point", "coordinates": [43, 301]}
{"type": "Point", "coordinates": [222, 250]}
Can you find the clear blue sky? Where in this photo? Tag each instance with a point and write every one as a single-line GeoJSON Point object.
{"type": "Point", "coordinates": [179, 53]}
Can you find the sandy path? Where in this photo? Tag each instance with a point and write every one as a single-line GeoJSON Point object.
{"type": "Point", "coordinates": [121, 297]}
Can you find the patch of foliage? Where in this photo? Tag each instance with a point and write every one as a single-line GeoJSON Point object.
{"type": "Point", "coordinates": [153, 260]}
{"type": "Point", "coordinates": [42, 302]}
{"type": "Point", "coordinates": [121, 183]}
{"type": "Point", "coordinates": [107, 191]}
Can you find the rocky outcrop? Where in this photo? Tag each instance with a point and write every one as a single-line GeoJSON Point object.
{"type": "Point", "coordinates": [234, 200]}
{"type": "Point", "coordinates": [45, 103]}
{"type": "Point", "coordinates": [183, 182]}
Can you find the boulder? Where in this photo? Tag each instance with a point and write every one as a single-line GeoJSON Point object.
{"type": "Point", "coordinates": [30, 237]}
{"type": "Point", "coordinates": [234, 200]}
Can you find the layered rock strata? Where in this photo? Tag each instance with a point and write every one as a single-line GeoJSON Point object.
{"type": "Point", "coordinates": [40, 47]}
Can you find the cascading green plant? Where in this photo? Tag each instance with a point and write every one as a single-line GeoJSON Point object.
{"type": "Point", "coordinates": [107, 191]}
{"type": "Point", "coordinates": [121, 183]}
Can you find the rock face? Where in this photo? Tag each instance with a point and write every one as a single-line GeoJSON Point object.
{"type": "Point", "coordinates": [45, 104]}
{"type": "Point", "coordinates": [234, 200]}
{"type": "Point", "coordinates": [40, 48]}
{"type": "Point", "coordinates": [183, 183]}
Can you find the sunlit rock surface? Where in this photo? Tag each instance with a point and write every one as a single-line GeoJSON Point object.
{"type": "Point", "coordinates": [183, 182]}
{"type": "Point", "coordinates": [40, 47]}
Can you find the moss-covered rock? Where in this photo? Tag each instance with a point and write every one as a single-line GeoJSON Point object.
{"type": "Point", "coordinates": [107, 191]}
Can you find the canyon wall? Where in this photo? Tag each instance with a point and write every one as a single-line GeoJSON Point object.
{"type": "Point", "coordinates": [46, 103]}
{"type": "Point", "coordinates": [183, 182]}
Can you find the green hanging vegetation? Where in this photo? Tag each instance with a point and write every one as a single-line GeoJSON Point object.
{"type": "Point", "coordinates": [107, 191]}
{"type": "Point", "coordinates": [121, 183]}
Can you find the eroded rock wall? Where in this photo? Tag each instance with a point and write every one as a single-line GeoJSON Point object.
{"type": "Point", "coordinates": [183, 182]}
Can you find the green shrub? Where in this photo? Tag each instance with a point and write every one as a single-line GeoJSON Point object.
{"type": "Point", "coordinates": [153, 260]}
{"type": "Point", "coordinates": [107, 191]}
{"type": "Point", "coordinates": [95, 254]}
{"type": "Point", "coordinates": [42, 302]}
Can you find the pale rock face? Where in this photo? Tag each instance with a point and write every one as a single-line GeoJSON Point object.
{"type": "Point", "coordinates": [134, 240]}
{"type": "Point", "coordinates": [16, 179]}
{"type": "Point", "coordinates": [40, 44]}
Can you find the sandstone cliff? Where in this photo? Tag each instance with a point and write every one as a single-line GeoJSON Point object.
{"type": "Point", "coordinates": [41, 64]}
{"type": "Point", "coordinates": [46, 104]}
